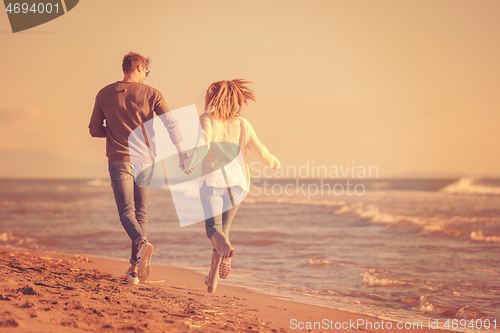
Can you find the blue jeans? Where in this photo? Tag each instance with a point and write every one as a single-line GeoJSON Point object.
{"type": "Point", "coordinates": [131, 200]}
{"type": "Point", "coordinates": [218, 209]}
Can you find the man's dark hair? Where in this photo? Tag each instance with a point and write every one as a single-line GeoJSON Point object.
{"type": "Point", "coordinates": [132, 60]}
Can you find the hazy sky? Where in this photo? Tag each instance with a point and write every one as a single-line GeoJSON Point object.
{"type": "Point", "coordinates": [411, 87]}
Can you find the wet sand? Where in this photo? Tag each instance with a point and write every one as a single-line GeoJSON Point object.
{"type": "Point", "coordinates": [51, 292]}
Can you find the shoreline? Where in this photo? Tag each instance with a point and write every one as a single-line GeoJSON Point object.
{"type": "Point", "coordinates": [57, 292]}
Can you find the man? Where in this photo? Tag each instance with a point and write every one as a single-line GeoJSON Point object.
{"type": "Point", "coordinates": [127, 105]}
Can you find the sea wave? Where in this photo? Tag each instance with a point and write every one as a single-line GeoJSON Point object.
{"type": "Point", "coordinates": [465, 312]}
{"type": "Point", "coordinates": [371, 279]}
{"type": "Point", "coordinates": [367, 213]}
{"type": "Point", "coordinates": [285, 200]}
{"type": "Point", "coordinates": [10, 239]}
{"type": "Point", "coordinates": [98, 183]}
{"type": "Point", "coordinates": [259, 242]}
{"type": "Point", "coordinates": [467, 186]}
{"type": "Point", "coordinates": [321, 263]}
{"type": "Point", "coordinates": [371, 213]}
{"type": "Point", "coordinates": [478, 236]}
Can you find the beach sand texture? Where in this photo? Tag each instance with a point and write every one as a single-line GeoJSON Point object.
{"type": "Point", "coordinates": [50, 292]}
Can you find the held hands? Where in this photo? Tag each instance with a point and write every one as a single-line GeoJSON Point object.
{"type": "Point", "coordinates": [182, 157]}
{"type": "Point", "coordinates": [271, 159]}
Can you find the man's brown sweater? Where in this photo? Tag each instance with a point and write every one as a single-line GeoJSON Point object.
{"type": "Point", "coordinates": [126, 106]}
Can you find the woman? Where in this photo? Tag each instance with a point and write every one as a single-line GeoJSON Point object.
{"type": "Point", "coordinates": [226, 177]}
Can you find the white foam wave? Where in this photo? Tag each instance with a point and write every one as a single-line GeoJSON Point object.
{"type": "Point", "coordinates": [372, 214]}
{"type": "Point", "coordinates": [478, 236]}
{"type": "Point", "coordinates": [466, 186]}
{"type": "Point", "coordinates": [253, 200]}
{"type": "Point", "coordinates": [321, 263]}
{"type": "Point", "coordinates": [368, 213]}
{"type": "Point", "coordinates": [465, 312]}
{"type": "Point", "coordinates": [4, 237]}
{"type": "Point", "coordinates": [469, 312]}
{"type": "Point", "coordinates": [426, 306]}
{"type": "Point", "coordinates": [370, 280]}
{"type": "Point", "coordinates": [345, 210]}
{"type": "Point", "coordinates": [434, 227]}
{"type": "Point", "coordinates": [9, 237]}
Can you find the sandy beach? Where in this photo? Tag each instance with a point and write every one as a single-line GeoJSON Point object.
{"type": "Point", "coordinates": [51, 292]}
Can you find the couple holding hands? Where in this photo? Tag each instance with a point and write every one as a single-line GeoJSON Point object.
{"type": "Point", "coordinates": [128, 104]}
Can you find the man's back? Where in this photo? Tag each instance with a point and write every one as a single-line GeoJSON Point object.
{"type": "Point", "coordinates": [119, 109]}
{"type": "Point", "coordinates": [125, 106]}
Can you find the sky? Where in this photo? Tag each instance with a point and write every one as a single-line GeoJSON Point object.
{"type": "Point", "coordinates": [410, 87]}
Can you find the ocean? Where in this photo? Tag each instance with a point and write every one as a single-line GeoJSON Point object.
{"type": "Point", "coordinates": [405, 250]}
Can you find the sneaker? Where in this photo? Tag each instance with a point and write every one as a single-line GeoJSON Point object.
{"type": "Point", "coordinates": [143, 258]}
{"type": "Point", "coordinates": [132, 277]}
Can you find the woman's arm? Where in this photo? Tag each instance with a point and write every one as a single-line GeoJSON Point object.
{"type": "Point", "coordinates": [259, 150]}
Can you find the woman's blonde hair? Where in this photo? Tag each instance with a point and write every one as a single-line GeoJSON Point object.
{"type": "Point", "coordinates": [225, 99]}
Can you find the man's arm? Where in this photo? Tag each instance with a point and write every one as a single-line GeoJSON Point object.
{"type": "Point", "coordinates": [96, 125]}
{"type": "Point", "coordinates": [201, 150]}
{"type": "Point", "coordinates": [172, 126]}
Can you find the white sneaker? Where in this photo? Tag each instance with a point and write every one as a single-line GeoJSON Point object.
{"type": "Point", "coordinates": [132, 277]}
{"type": "Point", "coordinates": [143, 258]}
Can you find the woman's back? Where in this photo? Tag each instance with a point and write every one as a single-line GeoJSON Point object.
{"type": "Point", "coordinates": [221, 131]}
{"type": "Point", "coordinates": [225, 176]}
